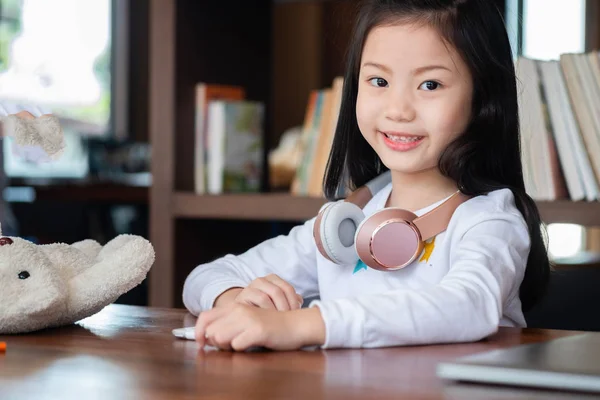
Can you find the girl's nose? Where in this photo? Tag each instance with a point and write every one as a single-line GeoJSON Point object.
{"type": "Point", "coordinates": [400, 108]}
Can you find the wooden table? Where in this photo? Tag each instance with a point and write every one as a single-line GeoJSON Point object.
{"type": "Point", "coordinates": [127, 352]}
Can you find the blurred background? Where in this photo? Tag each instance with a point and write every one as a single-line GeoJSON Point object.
{"type": "Point", "coordinates": [205, 126]}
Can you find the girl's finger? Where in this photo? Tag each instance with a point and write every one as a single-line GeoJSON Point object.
{"type": "Point", "coordinates": [287, 289]}
{"type": "Point", "coordinates": [300, 301]}
{"type": "Point", "coordinates": [244, 340]}
{"type": "Point", "coordinates": [221, 332]}
{"type": "Point", "coordinates": [276, 294]}
{"type": "Point", "coordinates": [256, 297]}
{"type": "Point", "coordinates": [206, 318]}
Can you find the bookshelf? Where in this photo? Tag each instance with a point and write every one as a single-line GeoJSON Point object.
{"type": "Point", "coordinates": [208, 41]}
{"type": "Point", "coordinates": [260, 206]}
{"type": "Point", "coordinates": [237, 43]}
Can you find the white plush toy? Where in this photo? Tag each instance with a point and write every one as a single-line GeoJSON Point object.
{"type": "Point", "coordinates": [43, 286]}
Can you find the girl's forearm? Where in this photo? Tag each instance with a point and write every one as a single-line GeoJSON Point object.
{"type": "Point", "coordinates": [309, 325]}
{"type": "Point", "coordinates": [227, 297]}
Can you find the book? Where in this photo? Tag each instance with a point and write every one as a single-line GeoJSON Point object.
{"type": "Point", "coordinates": [534, 127]}
{"type": "Point", "coordinates": [235, 146]}
{"type": "Point", "coordinates": [328, 126]}
{"type": "Point", "coordinates": [320, 122]}
{"type": "Point", "coordinates": [576, 167]}
{"type": "Point", "coordinates": [559, 126]}
{"type": "Point", "coordinates": [206, 93]}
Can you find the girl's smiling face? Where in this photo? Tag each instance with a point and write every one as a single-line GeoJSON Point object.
{"type": "Point", "coordinates": [414, 96]}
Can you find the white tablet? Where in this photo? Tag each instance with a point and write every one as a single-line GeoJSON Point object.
{"type": "Point", "coordinates": [185, 333]}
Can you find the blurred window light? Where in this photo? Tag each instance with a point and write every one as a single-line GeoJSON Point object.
{"type": "Point", "coordinates": [553, 27]}
{"type": "Point", "coordinates": [565, 240]}
{"type": "Point", "coordinates": [57, 54]}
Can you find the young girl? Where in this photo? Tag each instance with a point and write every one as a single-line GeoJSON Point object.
{"type": "Point", "coordinates": [430, 95]}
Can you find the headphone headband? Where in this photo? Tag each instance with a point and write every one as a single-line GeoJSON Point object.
{"type": "Point", "coordinates": [435, 221]}
{"type": "Point", "coordinates": [363, 194]}
{"type": "Point", "coordinates": [379, 182]}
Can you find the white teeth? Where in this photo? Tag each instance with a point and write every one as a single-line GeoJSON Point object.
{"type": "Point", "coordinates": [405, 139]}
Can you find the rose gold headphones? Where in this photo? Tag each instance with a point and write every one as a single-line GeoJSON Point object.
{"type": "Point", "coordinates": [388, 240]}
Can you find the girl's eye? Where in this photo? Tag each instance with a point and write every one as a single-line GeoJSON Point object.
{"type": "Point", "coordinates": [429, 85]}
{"type": "Point", "coordinates": [378, 82]}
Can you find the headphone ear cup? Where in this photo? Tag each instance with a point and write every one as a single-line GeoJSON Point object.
{"type": "Point", "coordinates": [337, 229]}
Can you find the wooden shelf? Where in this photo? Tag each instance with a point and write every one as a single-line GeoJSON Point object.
{"type": "Point", "coordinates": [573, 212]}
{"type": "Point", "coordinates": [583, 259]}
{"type": "Point", "coordinates": [101, 193]}
{"type": "Point", "coordinates": [286, 207]}
{"type": "Point", "coordinates": [251, 206]}
{"type": "Point", "coordinates": [116, 190]}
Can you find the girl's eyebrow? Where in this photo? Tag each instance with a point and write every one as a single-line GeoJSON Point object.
{"type": "Point", "coordinates": [415, 71]}
{"type": "Point", "coordinates": [426, 68]}
{"type": "Point", "coordinates": [378, 66]}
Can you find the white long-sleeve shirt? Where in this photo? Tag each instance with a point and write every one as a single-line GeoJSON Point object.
{"type": "Point", "coordinates": [463, 286]}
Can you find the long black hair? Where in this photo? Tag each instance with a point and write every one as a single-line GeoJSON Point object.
{"type": "Point", "coordinates": [487, 155]}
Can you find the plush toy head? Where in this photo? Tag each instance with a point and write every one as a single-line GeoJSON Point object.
{"type": "Point", "coordinates": [43, 286]}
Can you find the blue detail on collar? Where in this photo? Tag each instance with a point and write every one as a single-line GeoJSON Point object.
{"type": "Point", "coordinates": [359, 265]}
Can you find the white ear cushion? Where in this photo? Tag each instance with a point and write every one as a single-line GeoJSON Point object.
{"type": "Point", "coordinates": [324, 206]}
{"type": "Point", "coordinates": [338, 226]}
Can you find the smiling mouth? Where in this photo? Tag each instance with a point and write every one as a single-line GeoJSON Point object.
{"type": "Point", "coordinates": [401, 137]}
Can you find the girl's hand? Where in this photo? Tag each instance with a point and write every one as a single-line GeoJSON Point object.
{"type": "Point", "coordinates": [269, 292]}
{"type": "Point", "coordinates": [241, 326]}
